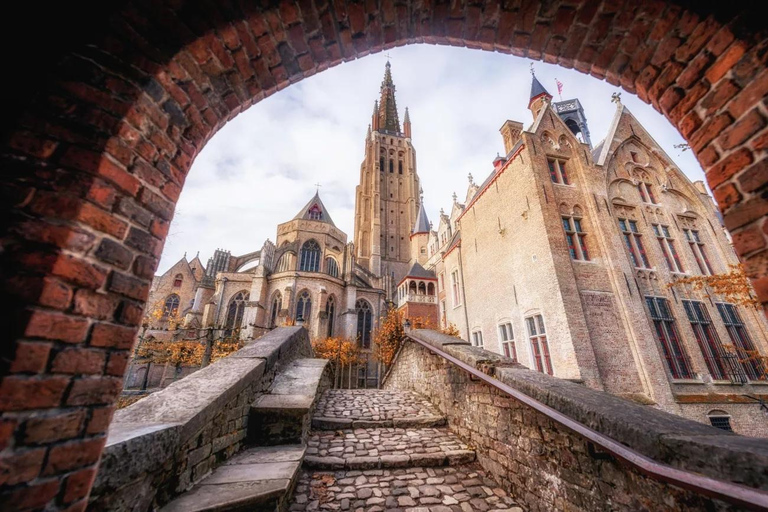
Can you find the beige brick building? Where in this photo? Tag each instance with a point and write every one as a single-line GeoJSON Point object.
{"type": "Point", "coordinates": [560, 258]}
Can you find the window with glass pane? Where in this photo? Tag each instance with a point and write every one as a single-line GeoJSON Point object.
{"type": "Point", "coordinates": [699, 251]}
{"type": "Point", "coordinates": [576, 238]}
{"type": "Point", "coordinates": [310, 257]}
{"type": "Point", "coordinates": [507, 338]}
{"type": "Point", "coordinates": [666, 334]}
{"type": "Point", "coordinates": [539, 344]}
{"type": "Point", "coordinates": [749, 356]}
{"type": "Point", "coordinates": [477, 339]}
{"type": "Point", "coordinates": [667, 246]}
{"type": "Point", "coordinates": [557, 171]}
{"type": "Point", "coordinates": [633, 240]}
{"type": "Point", "coordinates": [707, 338]}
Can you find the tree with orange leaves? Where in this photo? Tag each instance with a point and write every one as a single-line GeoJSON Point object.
{"type": "Point", "coordinates": [340, 352]}
{"type": "Point", "coordinates": [733, 286]}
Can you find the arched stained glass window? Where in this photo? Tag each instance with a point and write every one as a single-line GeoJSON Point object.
{"type": "Point", "coordinates": [330, 310]}
{"type": "Point", "coordinates": [304, 306]}
{"type": "Point", "coordinates": [331, 267]}
{"type": "Point", "coordinates": [364, 323]}
{"type": "Point", "coordinates": [277, 305]}
{"type": "Point", "coordinates": [310, 257]}
{"type": "Point", "coordinates": [171, 307]}
{"type": "Point", "coordinates": [236, 310]}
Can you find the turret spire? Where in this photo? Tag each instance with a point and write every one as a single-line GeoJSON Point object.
{"type": "Point", "coordinates": [387, 114]}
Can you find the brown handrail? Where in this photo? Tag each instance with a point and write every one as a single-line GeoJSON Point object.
{"type": "Point", "coordinates": [726, 491]}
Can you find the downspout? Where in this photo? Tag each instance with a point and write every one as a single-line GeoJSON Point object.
{"type": "Point", "coordinates": [466, 304]}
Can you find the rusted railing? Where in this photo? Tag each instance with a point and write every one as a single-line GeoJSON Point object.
{"type": "Point", "coordinates": [726, 491]}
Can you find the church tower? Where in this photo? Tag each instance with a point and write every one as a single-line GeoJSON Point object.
{"type": "Point", "coordinates": [387, 197]}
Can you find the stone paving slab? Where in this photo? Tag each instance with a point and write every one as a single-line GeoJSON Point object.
{"type": "Point", "coordinates": [366, 408]}
{"type": "Point", "coordinates": [452, 489]}
{"type": "Point", "coordinates": [385, 448]}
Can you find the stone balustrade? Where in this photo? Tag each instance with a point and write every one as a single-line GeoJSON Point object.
{"type": "Point", "coordinates": [166, 442]}
{"type": "Point", "coordinates": [551, 467]}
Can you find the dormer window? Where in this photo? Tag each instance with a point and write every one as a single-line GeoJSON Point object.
{"type": "Point", "coordinates": [315, 213]}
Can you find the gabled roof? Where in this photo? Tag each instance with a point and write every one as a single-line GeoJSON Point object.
{"type": "Point", "coordinates": [422, 222]}
{"type": "Point", "coordinates": [315, 205]}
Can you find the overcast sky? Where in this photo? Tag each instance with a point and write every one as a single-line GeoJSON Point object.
{"type": "Point", "coordinates": [259, 169]}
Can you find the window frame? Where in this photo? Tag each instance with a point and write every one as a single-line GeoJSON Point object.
{"type": "Point", "coordinates": [541, 356]}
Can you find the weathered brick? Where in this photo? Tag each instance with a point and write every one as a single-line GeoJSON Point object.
{"type": "Point", "coordinates": [72, 455]}
{"type": "Point", "coordinates": [79, 361]}
{"type": "Point", "coordinates": [112, 336]}
{"type": "Point", "coordinates": [56, 427]}
{"type": "Point", "coordinates": [22, 393]}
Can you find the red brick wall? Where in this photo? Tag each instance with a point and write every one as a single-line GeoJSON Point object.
{"type": "Point", "coordinates": [103, 134]}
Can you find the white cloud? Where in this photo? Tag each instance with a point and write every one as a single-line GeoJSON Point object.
{"type": "Point", "coordinates": [260, 168]}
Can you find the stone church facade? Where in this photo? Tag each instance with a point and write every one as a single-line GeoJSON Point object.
{"type": "Point", "coordinates": [561, 259]}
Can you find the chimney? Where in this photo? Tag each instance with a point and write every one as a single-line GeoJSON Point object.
{"type": "Point", "coordinates": [510, 132]}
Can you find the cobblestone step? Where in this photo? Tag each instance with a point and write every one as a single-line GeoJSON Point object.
{"type": "Point", "coordinates": [282, 415]}
{"type": "Point", "coordinates": [385, 448]}
{"type": "Point", "coordinates": [374, 408]}
{"type": "Point", "coordinates": [255, 479]}
{"type": "Point", "coordinates": [452, 489]}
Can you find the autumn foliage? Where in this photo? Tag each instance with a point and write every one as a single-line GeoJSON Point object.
{"type": "Point", "coordinates": [733, 286]}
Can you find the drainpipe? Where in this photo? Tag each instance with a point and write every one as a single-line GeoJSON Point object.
{"type": "Point", "coordinates": [466, 305]}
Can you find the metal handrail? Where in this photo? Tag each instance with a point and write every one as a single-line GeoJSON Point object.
{"type": "Point", "coordinates": [726, 491]}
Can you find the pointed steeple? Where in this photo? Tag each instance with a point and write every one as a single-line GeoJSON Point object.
{"type": "Point", "coordinates": [388, 119]}
{"type": "Point", "coordinates": [422, 222]}
{"type": "Point", "coordinates": [315, 210]}
{"type": "Point", "coordinates": [407, 123]}
{"type": "Point", "coordinates": [538, 94]}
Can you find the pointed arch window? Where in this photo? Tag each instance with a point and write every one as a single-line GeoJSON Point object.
{"type": "Point", "coordinates": [304, 306]}
{"type": "Point", "coordinates": [364, 323]}
{"type": "Point", "coordinates": [236, 310]}
{"type": "Point", "coordinates": [330, 311]}
{"type": "Point", "coordinates": [331, 267]}
{"type": "Point", "coordinates": [177, 280]}
{"type": "Point", "coordinates": [171, 306]}
{"type": "Point", "coordinates": [277, 305]}
{"type": "Point", "coordinates": [310, 257]}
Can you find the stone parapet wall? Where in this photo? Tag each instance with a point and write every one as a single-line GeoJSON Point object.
{"type": "Point", "coordinates": [163, 444]}
{"type": "Point", "coordinates": [553, 468]}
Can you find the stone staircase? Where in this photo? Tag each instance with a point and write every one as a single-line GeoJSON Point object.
{"type": "Point", "coordinates": [377, 450]}
{"type": "Point", "coordinates": [262, 476]}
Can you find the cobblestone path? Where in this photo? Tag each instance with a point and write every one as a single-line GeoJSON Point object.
{"type": "Point", "coordinates": [452, 489]}
{"type": "Point", "coordinates": [382, 450]}
{"type": "Point", "coordinates": [372, 405]}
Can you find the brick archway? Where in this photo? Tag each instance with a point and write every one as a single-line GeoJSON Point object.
{"type": "Point", "coordinates": [99, 144]}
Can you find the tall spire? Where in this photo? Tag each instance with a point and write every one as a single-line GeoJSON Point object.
{"type": "Point", "coordinates": [388, 119]}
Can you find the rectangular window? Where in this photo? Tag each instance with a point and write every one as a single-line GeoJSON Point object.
{"type": "Point", "coordinates": [748, 356]}
{"type": "Point", "coordinates": [507, 337]}
{"type": "Point", "coordinates": [455, 288]}
{"type": "Point", "coordinates": [557, 171]}
{"type": "Point", "coordinates": [666, 334]}
{"type": "Point", "coordinates": [667, 245]}
{"type": "Point", "coordinates": [539, 345]}
{"type": "Point", "coordinates": [699, 251]}
{"type": "Point", "coordinates": [707, 338]}
{"type": "Point", "coordinates": [477, 339]}
{"type": "Point", "coordinates": [633, 239]}
{"type": "Point", "coordinates": [576, 238]}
